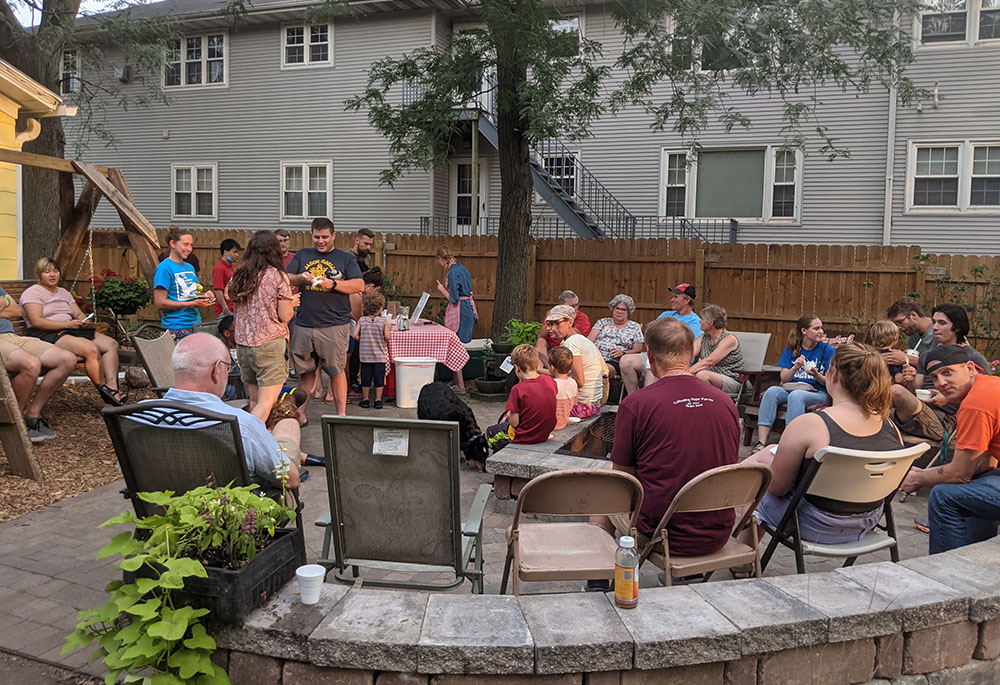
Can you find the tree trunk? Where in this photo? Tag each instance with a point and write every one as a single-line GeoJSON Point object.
{"type": "Point", "coordinates": [515, 180]}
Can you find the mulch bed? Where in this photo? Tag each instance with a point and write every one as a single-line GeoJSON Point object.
{"type": "Point", "coordinates": [78, 460]}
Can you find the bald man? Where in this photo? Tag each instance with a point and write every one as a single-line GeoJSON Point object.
{"type": "Point", "coordinates": [201, 365]}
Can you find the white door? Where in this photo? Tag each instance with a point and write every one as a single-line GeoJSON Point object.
{"type": "Point", "coordinates": [462, 197]}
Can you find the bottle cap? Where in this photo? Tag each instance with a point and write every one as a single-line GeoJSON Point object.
{"type": "Point", "coordinates": [626, 541]}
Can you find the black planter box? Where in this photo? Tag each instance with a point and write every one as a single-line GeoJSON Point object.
{"type": "Point", "coordinates": [231, 595]}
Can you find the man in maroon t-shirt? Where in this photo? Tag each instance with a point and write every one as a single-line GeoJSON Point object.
{"type": "Point", "coordinates": [668, 433]}
{"type": "Point", "coordinates": [547, 339]}
{"type": "Point", "coordinates": [531, 407]}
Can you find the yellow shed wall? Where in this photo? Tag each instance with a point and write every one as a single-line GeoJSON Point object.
{"type": "Point", "coordinates": [9, 252]}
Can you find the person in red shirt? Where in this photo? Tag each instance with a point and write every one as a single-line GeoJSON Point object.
{"type": "Point", "coordinates": [668, 433]}
{"type": "Point", "coordinates": [547, 339]}
{"type": "Point", "coordinates": [284, 240]}
{"type": "Point", "coordinates": [223, 273]}
{"type": "Point", "coordinates": [531, 407]}
{"type": "Point", "coordinates": [964, 504]}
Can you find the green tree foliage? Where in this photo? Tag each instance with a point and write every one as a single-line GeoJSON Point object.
{"type": "Point", "coordinates": [681, 61]}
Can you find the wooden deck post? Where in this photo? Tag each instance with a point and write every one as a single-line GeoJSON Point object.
{"type": "Point", "coordinates": [14, 434]}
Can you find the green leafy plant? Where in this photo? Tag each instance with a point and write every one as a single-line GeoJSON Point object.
{"type": "Point", "coordinates": [141, 631]}
{"type": "Point", "coordinates": [120, 293]}
{"type": "Point", "coordinates": [519, 332]}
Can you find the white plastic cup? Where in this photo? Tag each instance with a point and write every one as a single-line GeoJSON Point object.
{"type": "Point", "coordinates": [310, 579]}
{"type": "Point", "coordinates": [923, 395]}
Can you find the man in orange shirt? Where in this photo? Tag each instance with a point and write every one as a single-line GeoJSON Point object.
{"type": "Point", "coordinates": [965, 504]}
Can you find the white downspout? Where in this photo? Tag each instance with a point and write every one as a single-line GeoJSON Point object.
{"type": "Point", "coordinates": [890, 161]}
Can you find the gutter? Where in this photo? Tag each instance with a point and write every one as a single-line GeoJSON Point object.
{"type": "Point", "coordinates": [890, 161]}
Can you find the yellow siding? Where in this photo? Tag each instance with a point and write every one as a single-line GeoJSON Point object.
{"type": "Point", "coordinates": [8, 203]}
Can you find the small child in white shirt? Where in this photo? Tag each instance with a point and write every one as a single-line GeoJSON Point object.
{"type": "Point", "coordinates": [567, 392]}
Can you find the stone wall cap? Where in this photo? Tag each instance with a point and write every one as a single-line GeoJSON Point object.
{"type": "Point", "coordinates": [979, 583]}
{"type": "Point", "coordinates": [854, 611]}
{"type": "Point", "coordinates": [924, 602]}
{"type": "Point", "coordinates": [482, 634]}
{"type": "Point", "coordinates": [280, 627]}
{"type": "Point", "coordinates": [371, 629]}
{"type": "Point", "coordinates": [576, 632]}
{"type": "Point", "coordinates": [675, 626]}
{"type": "Point", "coordinates": [768, 619]}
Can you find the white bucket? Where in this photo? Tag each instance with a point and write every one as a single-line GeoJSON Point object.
{"type": "Point", "coordinates": [412, 373]}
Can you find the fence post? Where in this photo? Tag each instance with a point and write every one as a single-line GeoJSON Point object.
{"type": "Point", "coordinates": [380, 252]}
{"type": "Point", "coordinates": [529, 289]}
{"type": "Point", "coordinates": [921, 276]}
{"type": "Point", "coordinates": [699, 277]}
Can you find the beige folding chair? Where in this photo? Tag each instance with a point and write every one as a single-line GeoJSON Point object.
{"type": "Point", "coordinates": [861, 478]}
{"type": "Point", "coordinates": [569, 550]}
{"type": "Point", "coordinates": [724, 487]}
{"type": "Point", "coordinates": [155, 357]}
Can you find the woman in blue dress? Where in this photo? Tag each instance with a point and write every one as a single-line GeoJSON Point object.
{"type": "Point", "coordinates": [461, 313]}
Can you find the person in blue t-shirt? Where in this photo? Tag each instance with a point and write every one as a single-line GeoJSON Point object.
{"type": "Point", "coordinates": [682, 302]}
{"type": "Point", "coordinates": [804, 362]}
{"type": "Point", "coordinates": [176, 291]}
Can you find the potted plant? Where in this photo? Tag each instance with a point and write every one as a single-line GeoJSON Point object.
{"type": "Point", "coordinates": [123, 295]}
{"type": "Point", "coordinates": [494, 380]}
{"type": "Point", "coordinates": [515, 333]}
{"type": "Point", "coordinates": [208, 554]}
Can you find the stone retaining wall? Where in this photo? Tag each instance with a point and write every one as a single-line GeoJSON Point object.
{"type": "Point", "coordinates": [928, 620]}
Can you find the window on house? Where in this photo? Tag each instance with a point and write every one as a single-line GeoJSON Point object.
{"type": "Point", "coordinates": [944, 21]}
{"type": "Point", "coordinates": [306, 190]}
{"type": "Point", "coordinates": [989, 20]}
{"type": "Point", "coordinates": [570, 25]}
{"type": "Point", "coordinates": [194, 189]}
{"type": "Point", "coordinates": [717, 55]}
{"type": "Point", "coordinates": [562, 168]}
{"type": "Point", "coordinates": [196, 61]}
{"type": "Point", "coordinates": [935, 182]}
{"type": "Point", "coordinates": [985, 186]}
{"type": "Point", "coordinates": [307, 45]}
{"type": "Point", "coordinates": [783, 188]}
{"type": "Point", "coordinates": [69, 73]}
{"type": "Point", "coordinates": [676, 186]}
{"type": "Point", "coordinates": [730, 183]}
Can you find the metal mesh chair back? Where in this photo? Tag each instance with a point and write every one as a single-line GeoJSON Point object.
{"type": "Point", "coordinates": [394, 491]}
{"type": "Point", "coordinates": [165, 445]}
{"type": "Point", "coordinates": [155, 356]}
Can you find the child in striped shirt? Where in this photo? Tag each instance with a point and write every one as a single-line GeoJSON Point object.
{"type": "Point", "coordinates": [371, 334]}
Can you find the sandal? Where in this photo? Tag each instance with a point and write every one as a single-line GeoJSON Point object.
{"type": "Point", "coordinates": [743, 571]}
{"type": "Point", "coordinates": [112, 397]}
{"type": "Point", "coordinates": [757, 447]}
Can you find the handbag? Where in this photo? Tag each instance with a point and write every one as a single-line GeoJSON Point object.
{"type": "Point", "coordinates": [791, 386]}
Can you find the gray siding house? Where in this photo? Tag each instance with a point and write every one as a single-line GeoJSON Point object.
{"type": "Point", "coordinates": [255, 136]}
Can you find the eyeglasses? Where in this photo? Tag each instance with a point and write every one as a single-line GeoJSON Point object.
{"type": "Point", "coordinates": [553, 324]}
{"type": "Point", "coordinates": [229, 365]}
{"type": "Point", "coordinates": [620, 309]}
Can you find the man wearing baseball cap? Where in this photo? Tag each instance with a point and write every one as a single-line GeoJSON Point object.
{"type": "Point", "coordinates": [635, 366]}
{"type": "Point", "coordinates": [965, 502]}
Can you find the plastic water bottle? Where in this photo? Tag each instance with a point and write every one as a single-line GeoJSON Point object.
{"type": "Point", "coordinates": [626, 573]}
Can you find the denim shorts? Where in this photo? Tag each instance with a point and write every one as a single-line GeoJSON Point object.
{"type": "Point", "coordinates": [817, 525]}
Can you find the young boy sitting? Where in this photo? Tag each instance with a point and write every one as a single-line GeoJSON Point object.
{"type": "Point", "coordinates": [531, 408]}
{"type": "Point", "coordinates": [567, 392]}
{"type": "Point", "coordinates": [884, 336]}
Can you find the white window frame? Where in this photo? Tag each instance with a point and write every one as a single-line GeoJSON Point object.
{"type": "Point", "coordinates": [537, 199]}
{"type": "Point", "coordinates": [665, 154]}
{"type": "Point", "coordinates": [306, 31]}
{"type": "Point", "coordinates": [305, 164]}
{"type": "Point", "coordinates": [972, 159]}
{"type": "Point", "coordinates": [965, 159]}
{"type": "Point", "coordinates": [691, 179]}
{"type": "Point", "coordinates": [226, 57]}
{"type": "Point", "coordinates": [194, 189]}
{"type": "Point", "coordinates": [973, 10]}
{"type": "Point", "coordinates": [69, 81]}
{"type": "Point", "coordinates": [579, 16]}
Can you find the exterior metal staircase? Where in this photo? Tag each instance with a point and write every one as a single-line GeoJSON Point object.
{"type": "Point", "coordinates": [585, 205]}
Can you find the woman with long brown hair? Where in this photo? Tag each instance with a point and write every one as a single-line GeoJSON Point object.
{"type": "Point", "coordinates": [859, 385]}
{"type": "Point", "coordinates": [803, 365]}
{"type": "Point", "coordinates": [263, 305]}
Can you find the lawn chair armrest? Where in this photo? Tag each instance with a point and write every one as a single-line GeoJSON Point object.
{"type": "Point", "coordinates": [474, 522]}
{"type": "Point", "coordinates": [324, 518]}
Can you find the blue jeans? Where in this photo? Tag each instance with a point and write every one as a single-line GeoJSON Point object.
{"type": "Point", "coordinates": [964, 513]}
{"type": "Point", "coordinates": [797, 401]}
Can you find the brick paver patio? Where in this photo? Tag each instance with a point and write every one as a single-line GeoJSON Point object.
{"type": "Point", "coordinates": [49, 571]}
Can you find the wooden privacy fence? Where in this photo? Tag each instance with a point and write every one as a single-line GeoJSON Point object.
{"type": "Point", "coordinates": [764, 288]}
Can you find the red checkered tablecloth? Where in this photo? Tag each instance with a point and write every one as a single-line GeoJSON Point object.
{"type": "Point", "coordinates": [427, 340]}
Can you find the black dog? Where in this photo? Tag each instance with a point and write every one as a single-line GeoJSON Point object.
{"type": "Point", "coordinates": [438, 402]}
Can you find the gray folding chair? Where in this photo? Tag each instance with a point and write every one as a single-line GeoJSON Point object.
{"type": "Point", "coordinates": [164, 445]}
{"type": "Point", "coordinates": [154, 353]}
{"type": "Point", "coordinates": [395, 503]}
